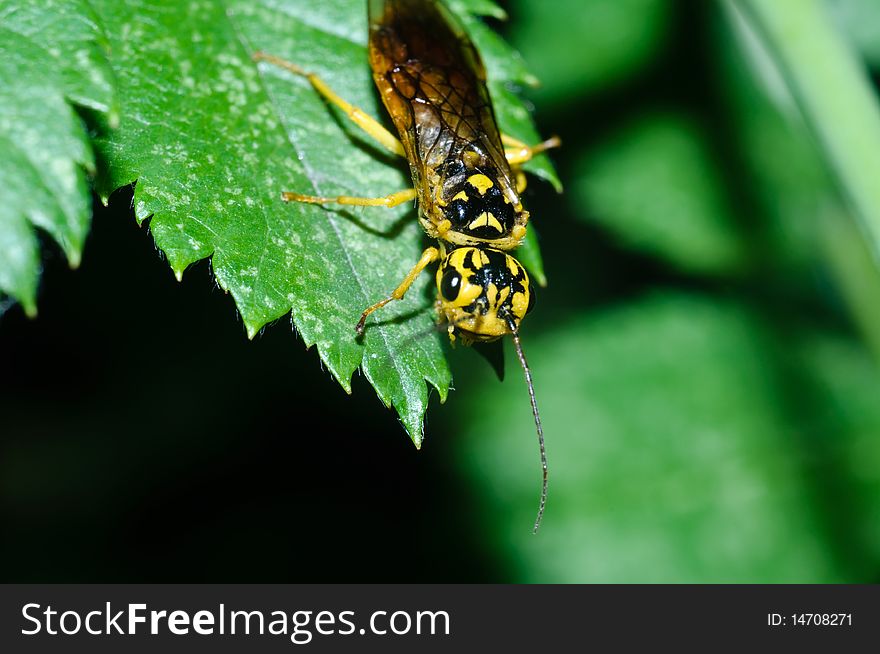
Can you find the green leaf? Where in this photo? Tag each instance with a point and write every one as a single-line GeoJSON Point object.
{"type": "Point", "coordinates": [578, 46]}
{"type": "Point", "coordinates": [507, 72]}
{"type": "Point", "coordinates": [855, 273]}
{"type": "Point", "coordinates": [781, 167]}
{"type": "Point", "coordinates": [51, 55]}
{"type": "Point", "coordinates": [657, 188]}
{"type": "Point", "coordinates": [860, 20]}
{"type": "Point", "coordinates": [212, 141]}
{"type": "Point", "coordinates": [516, 120]}
{"type": "Point", "coordinates": [840, 423]}
{"type": "Point", "coordinates": [834, 93]}
{"type": "Point", "coordinates": [529, 254]}
{"type": "Point", "coordinates": [671, 457]}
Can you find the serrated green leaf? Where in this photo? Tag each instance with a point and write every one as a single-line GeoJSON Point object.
{"type": "Point", "coordinates": [18, 242]}
{"type": "Point", "coordinates": [50, 55]}
{"type": "Point", "coordinates": [656, 186]}
{"type": "Point", "coordinates": [507, 72]}
{"type": "Point", "coordinates": [501, 63]}
{"type": "Point", "coordinates": [515, 119]}
{"type": "Point", "coordinates": [71, 34]}
{"type": "Point", "coordinates": [212, 140]}
{"type": "Point", "coordinates": [671, 459]}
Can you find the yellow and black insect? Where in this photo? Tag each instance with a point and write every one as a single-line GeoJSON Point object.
{"type": "Point", "coordinates": [465, 173]}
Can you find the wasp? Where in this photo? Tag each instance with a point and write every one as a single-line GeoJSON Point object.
{"type": "Point", "coordinates": [467, 180]}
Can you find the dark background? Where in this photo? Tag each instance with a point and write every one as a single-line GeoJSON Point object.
{"type": "Point", "coordinates": [144, 438]}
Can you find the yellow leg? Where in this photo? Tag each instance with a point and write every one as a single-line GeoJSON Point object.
{"type": "Point", "coordinates": [358, 116]}
{"type": "Point", "coordinates": [389, 201]}
{"type": "Point", "coordinates": [428, 257]}
{"type": "Point", "coordinates": [518, 152]}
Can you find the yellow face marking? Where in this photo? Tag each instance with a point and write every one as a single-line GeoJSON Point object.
{"type": "Point", "coordinates": [485, 322]}
{"type": "Point", "coordinates": [520, 304]}
{"type": "Point", "coordinates": [481, 183]}
{"type": "Point", "coordinates": [492, 295]}
{"type": "Point", "coordinates": [461, 195]}
{"type": "Point", "coordinates": [457, 258]}
{"type": "Point", "coordinates": [485, 219]}
{"type": "Point", "coordinates": [468, 293]}
{"type": "Point", "coordinates": [480, 221]}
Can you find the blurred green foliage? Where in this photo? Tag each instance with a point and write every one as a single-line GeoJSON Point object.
{"type": "Point", "coordinates": [861, 21]}
{"type": "Point", "coordinates": [671, 458]}
{"type": "Point", "coordinates": [707, 365]}
{"type": "Point", "coordinates": [656, 186]}
{"type": "Point", "coordinates": [575, 47]}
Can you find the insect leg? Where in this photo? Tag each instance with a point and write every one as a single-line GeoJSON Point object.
{"type": "Point", "coordinates": [518, 152]}
{"type": "Point", "coordinates": [359, 117]}
{"type": "Point", "coordinates": [390, 200]}
{"type": "Point", "coordinates": [429, 256]}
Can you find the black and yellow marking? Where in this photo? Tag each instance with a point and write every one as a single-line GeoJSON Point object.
{"type": "Point", "coordinates": [481, 292]}
{"type": "Point", "coordinates": [480, 182]}
{"type": "Point", "coordinates": [466, 175]}
{"type": "Point", "coordinates": [478, 211]}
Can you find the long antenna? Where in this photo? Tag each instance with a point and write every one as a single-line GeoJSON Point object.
{"type": "Point", "coordinates": [528, 372]}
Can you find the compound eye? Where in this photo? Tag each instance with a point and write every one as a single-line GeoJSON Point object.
{"type": "Point", "coordinates": [450, 284]}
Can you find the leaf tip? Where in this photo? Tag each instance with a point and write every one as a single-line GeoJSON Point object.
{"type": "Point", "coordinates": [531, 80]}
{"type": "Point", "coordinates": [497, 12]}
{"type": "Point", "coordinates": [113, 117]}
{"type": "Point", "coordinates": [415, 428]}
{"type": "Point", "coordinates": [74, 259]}
{"type": "Point", "coordinates": [548, 174]}
{"type": "Point", "coordinates": [540, 278]}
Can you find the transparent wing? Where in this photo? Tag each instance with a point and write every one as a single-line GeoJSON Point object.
{"type": "Point", "coordinates": [433, 84]}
